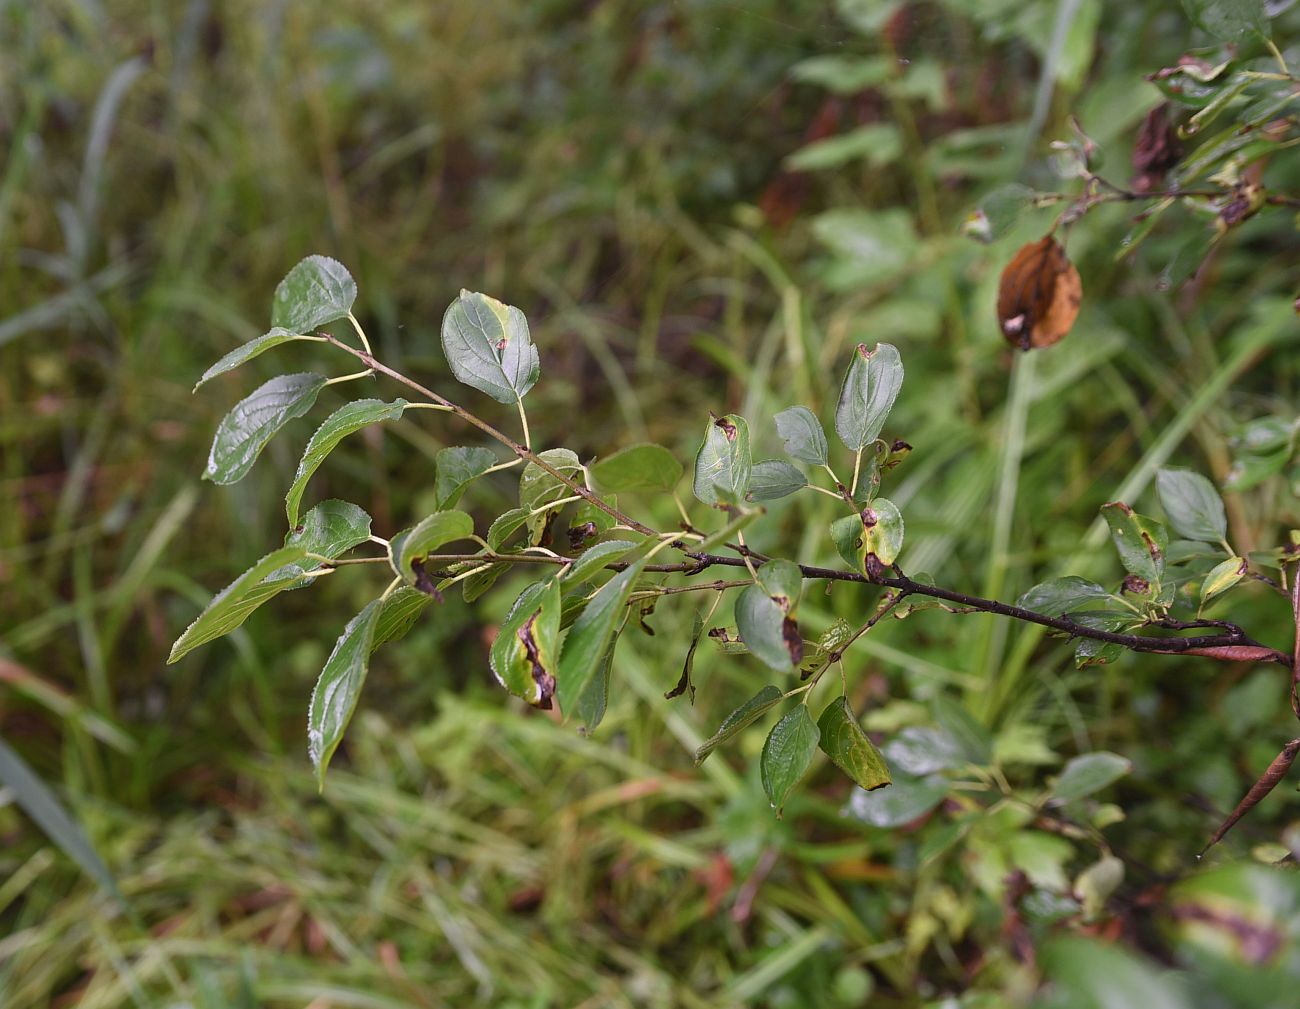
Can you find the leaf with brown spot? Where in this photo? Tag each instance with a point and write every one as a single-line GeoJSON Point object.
{"type": "Point", "coordinates": [524, 655]}
{"type": "Point", "coordinates": [1039, 295]}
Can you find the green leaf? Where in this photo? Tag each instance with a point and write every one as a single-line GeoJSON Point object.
{"type": "Point", "coordinates": [882, 532]}
{"type": "Point", "coordinates": [877, 144]}
{"type": "Point", "coordinates": [236, 601]}
{"type": "Point", "coordinates": [638, 468]}
{"type": "Point", "coordinates": [398, 615]}
{"type": "Point", "coordinates": [1228, 20]}
{"type": "Point", "coordinates": [339, 687]}
{"type": "Point", "coordinates": [1088, 974]}
{"type": "Point", "coordinates": [457, 468]}
{"type": "Point", "coordinates": [1059, 596]}
{"type": "Point", "coordinates": [1192, 505]}
{"type": "Point", "coordinates": [489, 348]}
{"type": "Point", "coordinates": [768, 633]}
{"type": "Point", "coordinates": [972, 738]}
{"type": "Point", "coordinates": [411, 546]}
{"type": "Point", "coordinates": [595, 558]}
{"type": "Point", "coordinates": [787, 754]}
{"type": "Point", "coordinates": [870, 247]}
{"type": "Point", "coordinates": [1222, 577]}
{"type": "Point", "coordinates": [346, 420]}
{"type": "Point", "coordinates": [772, 479]}
{"type": "Point", "coordinates": [723, 460]}
{"type": "Point", "coordinates": [330, 529]}
{"type": "Point", "coordinates": [907, 799]}
{"type": "Point", "coordinates": [1090, 652]}
{"type": "Point", "coordinates": [253, 422]}
{"type": "Point", "coordinates": [920, 750]}
{"type": "Point", "coordinates": [316, 291]}
{"type": "Point", "coordinates": [846, 534]}
{"type": "Point", "coordinates": [590, 636]}
{"type": "Point", "coordinates": [748, 713]}
{"type": "Point", "coordinates": [479, 582]}
{"type": "Point", "coordinates": [867, 395]}
{"type": "Point", "coordinates": [38, 800]}
{"type": "Point", "coordinates": [847, 745]}
{"type": "Point", "coordinates": [538, 488]}
{"type": "Point", "coordinates": [999, 211]}
{"type": "Point", "coordinates": [1089, 773]}
{"type": "Point", "coordinates": [246, 352]}
{"type": "Point", "coordinates": [1141, 541]}
{"type": "Point", "coordinates": [523, 656]}
{"type": "Point", "coordinates": [589, 710]}
{"type": "Point", "coordinates": [504, 526]}
{"type": "Point", "coordinates": [802, 435]}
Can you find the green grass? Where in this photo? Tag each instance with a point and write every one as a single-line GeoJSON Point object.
{"type": "Point", "coordinates": [603, 168]}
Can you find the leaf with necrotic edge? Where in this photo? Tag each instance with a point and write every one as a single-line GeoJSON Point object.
{"type": "Point", "coordinates": [723, 461]}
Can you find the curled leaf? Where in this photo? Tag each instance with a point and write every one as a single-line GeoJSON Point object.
{"type": "Point", "coordinates": [1039, 295]}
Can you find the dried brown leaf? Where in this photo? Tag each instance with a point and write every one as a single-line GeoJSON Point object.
{"type": "Point", "coordinates": [1039, 295]}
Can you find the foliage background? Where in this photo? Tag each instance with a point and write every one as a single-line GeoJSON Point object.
{"type": "Point", "coordinates": [620, 171]}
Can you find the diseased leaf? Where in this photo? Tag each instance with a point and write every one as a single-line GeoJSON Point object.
{"type": "Point", "coordinates": [595, 558]}
{"type": "Point", "coordinates": [867, 395]}
{"type": "Point", "coordinates": [684, 684]}
{"type": "Point", "coordinates": [236, 601]}
{"type": "Point", "coordinates": [590, 636]}
{"type": "Point", "coordinates": [787, 754]}
{"type": "Point", "coordinates": [762, 626]}
{"type": "Point", "coordinates": [1142, 542]}
{"type": "Point", "coordinates": [1192, 505]}
{"type": "Point", "coordinates": [723, 461]}
{"type": "Point", "coordinates": [882, 532]}
{"type": "Point", "coordinates": [523, 656]}
{"type": "Point", "coordinates": [339, 687]}
{"type": "Point", "coordinates": [843, 740]}
{"type": "Point", "coordinates": [316, 291]}
{"type": "Point", "coordinates": [456, 469]}
{"type": "Point", "coordinates": [772, 479]}
{"type": "Point", "coordinates": [1222, 577]}
{"type": "Point", "coordinates": [748, 713]}
{"type": "Point", "coordinates": [783, 581]}
{"type": "Point", "coordinates": [1039, 295]}
{"type": "Point", "coordinates": [637, 468]}
{"type": "Point", "coordinates": [246, 352]}
{"type": "Point", "coordinates": [398, 615]}
{"type": "Point", "coordinates": [1091, 652]}
{"type": "Point", "coordinates": [1089, 773]}
{"type": "Point", "coordinates": [489, 348]}
{"type": "Point", "coordinates": [802, 435]}
{"type": "Point", "coordinates": [1059, 596]}
{"type": "Point", "coordinates": [409, 547]}
{"type": "Point", "coordinates": [253, 422]}
{"type": "Point", "coordinates": [346, 420]}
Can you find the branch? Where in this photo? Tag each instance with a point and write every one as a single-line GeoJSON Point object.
{"type": "Point", "coordinates": [522, 451]}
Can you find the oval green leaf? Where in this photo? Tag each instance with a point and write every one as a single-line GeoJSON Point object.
{"type": "Point", "coordinates": [1141, 541]}
{"type": "Point", "coordinates": [772, 479]}
{"type": "Point", "coordinates": [457, 468]}
{"type": "Point", "coordinates": [637, 468]}
{"type": "Point", "coordinates": [1222, 577]}
{"type": "Point", "coordinates": [489, 348]}
{"type": "Point", "coordinates": [595, 558]}
{"type": "Point", "coordinates": [843, 740]}
{"type": "Point", "coordinates": [346, 420]}
{"type": "Point", "coordinates": [316, 291]}
{"type": "Point", "coordinates": [1192, 505]}
{"type": "Point", "coordinates": [802, 436]}
{"type": "Point", "coordinates": [1087, 774]}
{"type": "Point", "coordinates": [339, 687]}
{"type": "Point", "coordinates": [590, 636]}
{"type": "Point", "coordinates": [1058, 596]}
{"type": "Point", "coordinates": [723, 461]}
{"type": "Point", "coordinates": [787, 754]}
{"type": "Point", "coordinates": [867, 395]}
{"type": "Point", "coordinates": [253, 422]}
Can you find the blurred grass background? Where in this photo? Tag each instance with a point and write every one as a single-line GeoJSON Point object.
{"type": "Point", "coordinates": [620, 171]}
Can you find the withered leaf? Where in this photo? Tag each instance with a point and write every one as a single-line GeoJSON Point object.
{"type": "Point", "coordinates": [1039, 295]}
